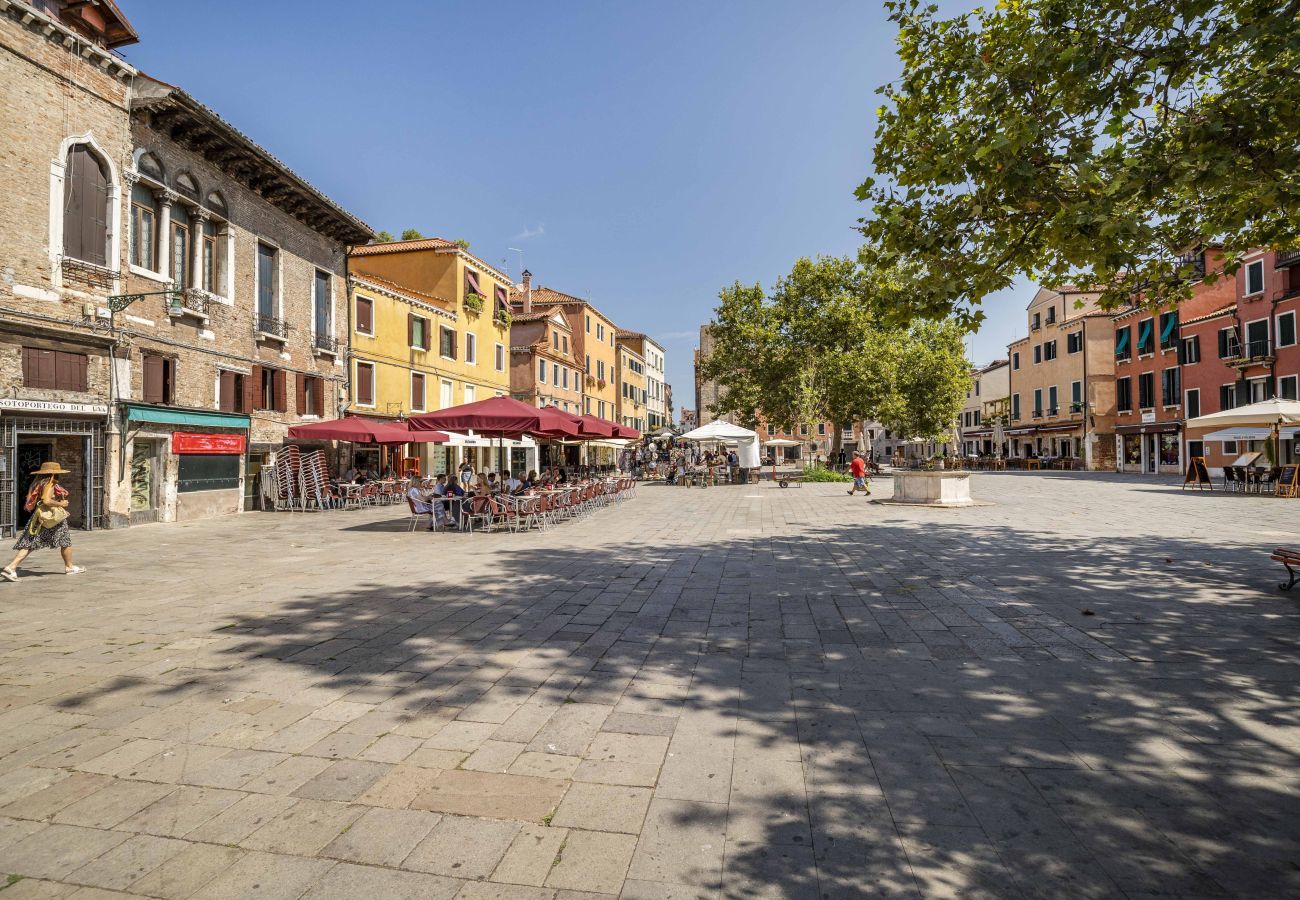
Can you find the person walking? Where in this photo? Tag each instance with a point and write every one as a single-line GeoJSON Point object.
{"type": "Point", "coordinates": [858, 468]}
{"type": "Point", "coordinates": [47, 501]}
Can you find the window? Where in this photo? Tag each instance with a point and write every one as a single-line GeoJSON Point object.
{"type": "Point", "coordinates": [271, 387]}
{"type": "Point", "coordinates": [1038, 402]}
{"type": "Point", "coordinates": [555, 374]}
{"type": "Point", "coordinates": [1049, 350]}
{"type": "Point", "coordinates": [1286, 329]}
{"type": "Point", "coordinates": [1192, 406]}
{"type": "Point", "coordinates": [1147, 390]}
{"type": "Point", "coordinates": [365, 317]}
{"type": "Point", "coordinates": [1015, 360]}
{"type": "Point", "coordinates": [268, 288]}
{"type": "Point", "coordinates": [587, 367]}
{"type": "Point", "coordinates": [1051, 315]}
{"type": "Point", "coordinates": [447, 342]}
{"type": "Point", "coordinates": [1122, 350]}
{"type": "Point", "coordinates": [143, 227]}
{"type": "Point", "coordinates": [211, 274]}
{"type": "Point", "coordinates": [1191, 350]}
{"type": "Point", "coordinates": [446, 395]}
{"type": "Point", "coordinates": [1074, 342]}
{"type": "Point", "coordinates": [1170, 387]}
{"type": "Point", "coordinates": [1260, 389]}
{"type": "Point", "coordinates": [564, 343]}
{"type": "Point", "coordinates": [365, 393]}
{"type": "Point", "coordinates": [565, 373]}
{"type": "Point", "coordinates": [600, 369]}
{"type": "Point", "coordinates": [1254, 277]}
{"type": "Point", "coordinates": [1230, 448]}
{"type": "Point", "coordinates": [417, 392]}
{"type": "Point", "coordinates": [233, 394]}
{"type": "Point", "coordinates": [85, 206]}
{"type": "Point", "coordinates": [1195, 448]}
{"type": "Point", "coordinates": [311, 395]}
{"type": "Point", "coordinates": [1229, 343]}
{"type": "Point", "coordinates": [803, 430]}
{"type": "Point", "coordinates": [159, 378]}
{"type": "Point", "coordinates": [180, 246]}
{"type": "Point", "coordinates": [417, 332]}
{"type": "Point", "coordinates": [207, 472]}
{"type": "Point", "coordinates": [1287, 386]}
{"type": "Point", "coordinates": [1052, 407]}
{"type": "Point", "coordinates": [501, 357]}
{"type": "Point", "coordinates": [1257, 338]}
{"type": "Point", "coordinates": [1038, 354]}
{"type": "Point", "coordinates": [1037, 321]}
{"type": "Point", "coordinates": [1124, 394]}
{"type": "Point", "coordinates": [1076, 396]}
{"type": "Point", "coordinates": [541, 371]}
{"type": "Point", "coordinates": [471, 393]}
{"type": "Point", "coordinates": [322, 305]}
{"type": "Point", "coordinates": [471, 348]}
{"type": "Point", "coordinates": [471, 283]}
{"type": "Point", "coordinates": [1168, 330]}
{"type": "Point", "coordinates": [54, 369]}
{"type": "Point", "coordinates": [1227, 396]}
{"type": "Point", "coordinates": [1146, 339]}
{"type": "Point", "coordinates": [588, 323]}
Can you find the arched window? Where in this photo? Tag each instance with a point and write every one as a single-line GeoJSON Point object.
{"type": "Point", "coordinates": [85, 206]}
{"type": "Point", "coordinates": [217, 204]}
{"type": "Point", "coordinates": [185, 184]}
{"type": "Point", "coordinates": [148, 164]}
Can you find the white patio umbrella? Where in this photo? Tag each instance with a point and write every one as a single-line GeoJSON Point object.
{"type": "Point", "coordinates": [1272, 414]}
{"type": "Point", "coordinates": [999, 435]}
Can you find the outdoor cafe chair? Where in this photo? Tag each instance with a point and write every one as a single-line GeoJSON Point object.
{"type": "Point", "coordinates": [1229, 480]}
{"type": "Point", "coordinates": [1243, 478]}
{"type": "Point", "coordinates": [415, 516]}
{"type": "Point", "coordinates": [476, 509]}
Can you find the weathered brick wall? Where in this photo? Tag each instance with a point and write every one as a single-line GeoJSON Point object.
{"type": "Point", "coordinates": [11, 372]}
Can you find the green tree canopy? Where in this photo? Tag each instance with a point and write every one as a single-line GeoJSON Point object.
{"type": "Point", "coordinates": [1085, 141]}
{"type": "Point", "coordinates": [412, 234]}
{"type": "Point", "coordinates": [383, 237]}
{"type": "Point", "coordinates": [823, 346]}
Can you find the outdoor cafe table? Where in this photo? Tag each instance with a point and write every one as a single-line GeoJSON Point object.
{"type": "Point", "coordinates": [1033, 463]}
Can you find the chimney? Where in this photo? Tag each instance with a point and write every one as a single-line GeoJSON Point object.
{"type": "Point", "coordinates": [528, 292]}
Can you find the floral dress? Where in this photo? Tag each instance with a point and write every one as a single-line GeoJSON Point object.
{"type": "Point", "coordinates": [32, 536]}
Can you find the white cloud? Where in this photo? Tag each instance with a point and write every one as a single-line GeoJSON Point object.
{"type": "Point", "coordinates": [529, 232]}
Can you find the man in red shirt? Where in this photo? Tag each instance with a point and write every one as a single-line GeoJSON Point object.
{"type": "Point", "coordinates": [859, 469]}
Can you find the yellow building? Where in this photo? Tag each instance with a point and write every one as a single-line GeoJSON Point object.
{"type": "Point", "coordinates": [594, 337]}
{"type": "Point", "coordinates": [631, 408]}
{"type": "Point", "coordinates": [429, 329]}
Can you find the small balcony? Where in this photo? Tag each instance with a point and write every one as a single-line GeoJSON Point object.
{"type": "Point", "coordinates": [1286, 258]}
{"type": "Point", "coordinates": [1038, 414]}
{"type": "Point", "coordinates": [271, 327]}
{"type": "Point", "coordinates": [1054, 411]}
{"type": "Point", "coordinates": [1249, 353]}
{"type": "Point", "coordinates": [1076, 408]}
{"type": "Point", "coordinates": [324, 343]}
{"type": "Point", "coordinates": [190, 302]}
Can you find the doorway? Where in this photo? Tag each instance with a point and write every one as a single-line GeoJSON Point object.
{"type": "Point", "coordinates": [31, 455]}
{"type": "Point", "coordinates": [145, 481]}
{"type": "Point", "coordinates": [1152, 453]}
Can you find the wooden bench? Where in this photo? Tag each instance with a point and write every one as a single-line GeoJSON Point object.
{"type": "Point", "coordinates": [1289, 557]}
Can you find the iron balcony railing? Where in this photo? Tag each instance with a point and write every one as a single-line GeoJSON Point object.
{"type": "Point", "coordinates": [272, 326]}
{"type": "Point", "coordinates": [326, 343]}
{"type": "Point", "coordinates": [1287, 258]}
{"type": "Point", "coordinates": [194, 301]}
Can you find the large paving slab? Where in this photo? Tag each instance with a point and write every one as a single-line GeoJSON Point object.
{"type": "Point", "coordinates": [1087, 688]}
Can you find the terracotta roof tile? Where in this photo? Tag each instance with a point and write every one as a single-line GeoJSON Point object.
{"type": "Point", "coordinates": [402, 246]}
{"type": "Point", "coordinates": [545, 296]}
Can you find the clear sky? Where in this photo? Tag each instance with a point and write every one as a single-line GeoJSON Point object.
{"type": "Point", "coordinates": [641, 155]}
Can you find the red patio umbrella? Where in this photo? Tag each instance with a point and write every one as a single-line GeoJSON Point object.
{"type": "Point", "coordinates": [499, 417]}
{"type": "Point", "coordinates": [362, 431]}
{"type": "Point", "coordinates": [593, 426]}
{"type": "Point", "coordinates": [625, 431]}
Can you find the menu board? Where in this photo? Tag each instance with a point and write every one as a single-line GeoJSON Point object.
{"type": "Point", "coordinates": [1249, 458]}
{"type": "Point", "coordinates": [1197, 474]}
{"type": "Point", "coordinates": [1288, 482]}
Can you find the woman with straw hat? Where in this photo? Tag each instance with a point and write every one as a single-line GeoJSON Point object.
{"type": "Point", "coordinates": [47, 501]}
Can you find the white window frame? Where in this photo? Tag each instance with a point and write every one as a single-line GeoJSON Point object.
{"type": "Point", "coordinates": [58, 174]}
{"type": "Point", "coordinates": [1187, 404]}
{"type": "Point", "coordinates": [330, 276]}
{"type": "Point", "coordinates": [257, 273]}
{"type": "Point", "coordinates": [1292, 378]}
{"type": "Point", "coordinates": [541, 370]}
{"type": "Point", "coordinates": [441, 329]}
{"type": "Point", "coordinates": [500, 356]}
{"type": "Point", "coordinates": [427, 323]}
{"type": "Point", "coordinates": [1277, 329]}
{"type": "Point", "coordinates": [447, 389]}
{"type": "Point", "coordinates": [374, 384]}
{"type": "Point", "coordinates": [1258, 265]}
{"type": "Point", "coordinates": [469, 393]}
{"type": "Point", "coordinates": [356, 320]}
{"type": "Point", "coordinates": [1245, 331]}
{"type": "Point", "coordinates": [471, 348]}
{"type": "Point", "coordinates": [424, 394]}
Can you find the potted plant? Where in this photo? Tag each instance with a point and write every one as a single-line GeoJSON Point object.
{"type": "Point", "coordinates": [474, 302]}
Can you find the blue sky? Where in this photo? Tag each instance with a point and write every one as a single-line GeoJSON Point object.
{"type": "Point", "coordinates": [641, 155]}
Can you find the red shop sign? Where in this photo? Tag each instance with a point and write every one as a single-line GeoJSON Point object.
{"type": "Point", "coordinates": [194, 442]}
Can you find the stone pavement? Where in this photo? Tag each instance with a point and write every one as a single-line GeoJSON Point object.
{"type": "Point", "coordinates": [1087, 689]}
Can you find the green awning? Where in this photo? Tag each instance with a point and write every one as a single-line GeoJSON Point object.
{"type": "Point", "coordinates": [162, 415]}
{"type": "Point", "coordinates": [1169, 329]}
{"type": "Point", "coordinates": [1122, 340]}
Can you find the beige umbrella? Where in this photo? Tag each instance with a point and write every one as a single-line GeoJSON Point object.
{"type": "Point", "coordinates": [1272, 414]}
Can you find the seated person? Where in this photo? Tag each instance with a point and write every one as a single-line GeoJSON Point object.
{"type": "Point", "coordinates": [492, 483]}
{"type": "Point", "coordinates": [510, 483]}
{"type": "Point", "coordinates": [420, 505]}
{"type": "Point", "coordinates": [530, 480]}
{"type": "Point", "coordinates": [482, 486]}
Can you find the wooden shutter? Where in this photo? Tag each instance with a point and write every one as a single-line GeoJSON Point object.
{"type": "Point", "coordinates": [410, 329]}
{"type": "Point", "coordinates": [85, 207]}
{"type": "Point", "coordinates": [365, 393]}
{"type": "Point", "coordinates": [365, 315]}
{"type": "Point", "coordinates": [246, 390]}
{"type": "Point", "coordinates": [454, 338]}
{"type": "Point", "coordinates": [153, 378]}
{"type": "Point", "coordinates": [427, 340]}
{"type": "Point", "coordinates": [226, 391]}
{"type": "Point", "coordinates": [300, 384]}
{"type": "Point", "coordinates": [319, 398]}
{"type": "Point", "coordinates": [280, 389]}
{"type": "Point", "coordinates": [66, 376]}
{"type": "Point", "coordinates": [253, 389]}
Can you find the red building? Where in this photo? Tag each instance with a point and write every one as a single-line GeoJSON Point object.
{"type": "Point", "coordinates": [1242, 352]}
{"type": "Point", "coordinates": [1154, 359]}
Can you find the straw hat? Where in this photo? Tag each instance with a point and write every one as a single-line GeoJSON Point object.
{"type": "Point", "coordinates": [50, 467]}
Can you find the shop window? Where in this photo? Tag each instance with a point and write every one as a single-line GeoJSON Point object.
{"type": "Point", "coordinates": [54, 369]}
{"type": "Point", "coordinates": [270, 387]}
{"type": "Point", "coordinates": [85, 206]}
{"type": "Point", "coordinates": [234, 393]}
{"type": "Point", "coordinates": [159, 378]}
{"type": "Point", "coordinates": [311, 395]}
{"type": "Point", "coordinates": [207, 472]}
{"type": "Point", "coordinates": [1168, 449]}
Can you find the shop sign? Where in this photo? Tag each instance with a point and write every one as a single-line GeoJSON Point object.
{"type": "Point", "coordinates": [53, 406]}
{"type": "Point", "coordinates": [197, 442]}
{"type": "Point", "coordinates": [1149, 418]}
